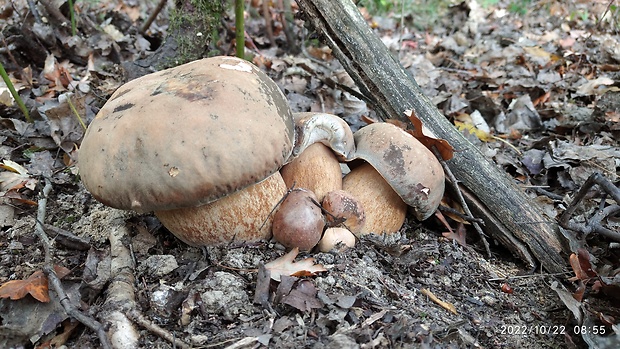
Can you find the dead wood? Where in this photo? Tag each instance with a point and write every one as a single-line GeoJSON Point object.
{"type": "Point", "coordinates": [380, 77]}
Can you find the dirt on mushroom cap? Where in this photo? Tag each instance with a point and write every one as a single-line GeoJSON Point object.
{"type": "Point", "coordinates": [186, 136]}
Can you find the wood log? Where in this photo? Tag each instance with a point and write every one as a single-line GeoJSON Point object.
{"type": "Point", "coordinates": [511, 217]}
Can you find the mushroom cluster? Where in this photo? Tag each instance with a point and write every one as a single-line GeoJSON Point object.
{"type": "Point", "coordinates": [390, 171]}
{"type": "Point", "coordinates": [211, 147]}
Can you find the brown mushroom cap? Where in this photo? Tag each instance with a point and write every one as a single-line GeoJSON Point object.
{"type": "Point", "coordinates": [406, 164]}
{"type": "Point", "coordinates": [299, 222]}
{"type": "Point", "coordinates": [340, 205]}
{"type": "Point", "coordinates": [186, 136]}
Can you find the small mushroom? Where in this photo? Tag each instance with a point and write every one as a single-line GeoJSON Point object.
{"type": "Point", "coordinates": [299, 221]}
{"type": "Point", "coordinates": [186, 137]}
{"type": "Point", "coordinates": [401, 162]}
{"type": "Point", "coordinates": [341, 205]}
{"type": "Point", "coordinates": [336, 237]}
{"type": "Point", "coordinates": [328, 129]}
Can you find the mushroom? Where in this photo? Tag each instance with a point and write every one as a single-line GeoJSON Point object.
{"type": "Point", "coordinates": [315, 169]}
{"type": "Point", "coordinates": [178, 141]}
{"type": "Point", "coordinates": [397, 163]}
{"type": "Point", "coordinates": [321, 139]}
{"type": "Point", "coordinates": [299, 221]}
{"type": "Point", "coordinates": [336, 237]}
{"type": "Point", "coordinates": [343, 208]}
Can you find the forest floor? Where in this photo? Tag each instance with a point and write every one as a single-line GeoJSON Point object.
{"type": "Point", "coordinates": [542, 77]}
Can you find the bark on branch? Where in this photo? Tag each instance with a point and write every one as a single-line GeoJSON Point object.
{"type": "Point", "coordinates": [509, 214]}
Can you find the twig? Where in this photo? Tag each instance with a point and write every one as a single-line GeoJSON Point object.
{"type": "Point", "coordinates": [136, 317]}
{"type": "Point", "coordinates": [268, 25]}
{"type": "Point", "coordinates": [55, 13]}
{"type": "Point", "coordinates": [594, 223]}
{"type": "Point", "coordinates": [35, 12]}
{"type": "Point", "coordinates": [285, 17]}
{"type": "Point", "coordinates": [459, 214]}
{"type": "Point", "coordinates": [154, 14]}
{"type": "Point", "coordinates": [528, 276]}
{"type": "Point", "coordinates": [461, 199]}
{"type": "Point", "coordinates": [66, 238]}
{"type": "Point", "coordinates": [48, 269]}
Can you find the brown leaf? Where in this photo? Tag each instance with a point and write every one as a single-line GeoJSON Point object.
{"type": "Point", "coordinates": [286, 265]}
{"type": "Point", "coordinates": [580, 263]}
{"type": "Point", "coordinates": [36, 285]}
{"type": "Point", "coordinates": [427, 138]}
{"type": "Point", "coordinates": [459, 235]}
{"type": "Point", "coordinates": [303, 297]}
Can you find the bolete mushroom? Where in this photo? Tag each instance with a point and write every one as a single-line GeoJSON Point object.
{"type": "Point", "coordinates": [397, 163]}
{"type": "Point", "coordinates": [178, 141]}
{"type": "Point", "coordinates": [299, 222]}
{"type": "Point", "coordinates": [320, 141]}
{"type": "Point", "coordinates": [343, 208]}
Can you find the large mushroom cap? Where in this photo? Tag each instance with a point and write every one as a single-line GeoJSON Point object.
{"type": "Point", "coordinates": [186, 136]}
{"type": "Point", "coordinates": [406, 164]}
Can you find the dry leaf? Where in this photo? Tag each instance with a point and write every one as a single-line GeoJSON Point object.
{"type": "Point", "coordinates": [426, 137]}
{"type": "Point", "coordinates": [459, 235]}
{"type": "Point", "coordinates": [17, 178]}
{"type": "Point", "coordinates": [286, 265]}
{"type": "Point", "coordinates": [580, 263]}
{"type": "Point", "coordinates": [36, 285]}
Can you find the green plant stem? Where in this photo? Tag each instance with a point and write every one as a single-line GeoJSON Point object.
{"type": "Point", "coordinates": [75, 112]}
{"type": "Point", "coordinates": [72, 13]}
{"type": "Point", "coordinates": [14, 93]}
{"type": "Point", "coordinates": [239, 28]}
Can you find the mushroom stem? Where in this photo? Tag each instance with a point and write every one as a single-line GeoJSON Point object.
{"type": "Point", "coordinates": [243, 216]}
{"type": "Point", "coordinates": [384, 209]}
{"type": "Point", "coordinates": [316, 169]}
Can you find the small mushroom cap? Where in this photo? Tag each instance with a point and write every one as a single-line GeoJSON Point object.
{"type": "Point", "coordinates": [298, 222]}
{"type": "Point", "coordinates": [340, 205]}
{"type": "Point", "coordinates": [328, 129]}
{"type": "Point", "coordinates": [407, 165]}
{"type": "Point", "coordinates": [186, 136]}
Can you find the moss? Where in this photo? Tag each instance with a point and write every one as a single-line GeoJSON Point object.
{"type": "Point", "coordinates": [194, 27]}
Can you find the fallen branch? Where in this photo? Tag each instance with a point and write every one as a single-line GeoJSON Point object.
{"type": "Point", "coordinates": [121, 294]}
{"type": "Point", "coordinates": [54, 280]}
{"type": "Point", "coordinates": [139, 319]}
